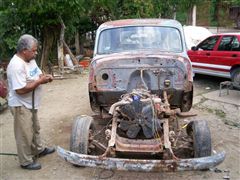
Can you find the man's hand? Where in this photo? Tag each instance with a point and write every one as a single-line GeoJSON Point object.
{"type": "Point", "coordinates": [50, 77]}
{"type": "Point", "coordinates": [45, 78]}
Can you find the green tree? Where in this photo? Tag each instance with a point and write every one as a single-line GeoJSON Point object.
{"type": "Point", "coordinates": [39, 18]}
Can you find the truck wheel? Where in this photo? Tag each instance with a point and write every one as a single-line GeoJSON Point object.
{"type": "Point", "coordinates": [201, 136]}
{"type": "Point", "coordinates": [235, 76]}
{"type": "Point", "coordinates": [82, 129]}
{"type": "Point", "coordinates": [187, 101]}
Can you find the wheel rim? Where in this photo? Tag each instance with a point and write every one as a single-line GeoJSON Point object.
{"type": "Point", "coordinates": [236, 79]}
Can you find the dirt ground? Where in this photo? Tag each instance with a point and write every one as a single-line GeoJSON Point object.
{"type": "Point", "coordinates": [64, 99]}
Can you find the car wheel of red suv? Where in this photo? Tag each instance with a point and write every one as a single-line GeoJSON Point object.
{"type": "Point", "coordinates": [236, 78]}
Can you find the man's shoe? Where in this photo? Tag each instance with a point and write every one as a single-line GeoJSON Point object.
{"type": "Point", "coordinates": [32, 166]}
{"type": "Point", "coordinates": [46, 151]}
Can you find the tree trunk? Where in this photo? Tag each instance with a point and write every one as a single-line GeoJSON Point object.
{"type": "Point", "coordinates": [60, 47]}
{"type": "Point", "coordinates": [81, 44]}
{"type": "Point", "coordinates": [77, 45]}
{"type": "Point", "coordinates": [48, 37]}
{"type": "Point", "coordinates": [194, 12]}
{"type": "Point", "coordinates": [75, 61]}
{"type": "Point", "coordinates": [189, 15]}
{"type": "Point", "coordinates": [60, 56]}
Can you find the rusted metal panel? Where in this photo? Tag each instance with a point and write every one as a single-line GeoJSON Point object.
{"type": "Point", "coordinates": [116, 70]}
{"type": "Point", "coordinates": [141, 22]}
{"type": "Point", "coordinates": [138, 145]}
{"type": "Point", "coordinates": [203, 163]}
{"type": "Point", "coordinates": [124, 75]}
{"type": "Point", "coordinates": [167, 143]}
{"type": "Point", "coordinates": [113, 134]}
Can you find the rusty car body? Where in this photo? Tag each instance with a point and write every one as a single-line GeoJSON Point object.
{"type": "Point", "coordinates": [129, 51]}
{"type": "Point", "coordinates": [141, 78]}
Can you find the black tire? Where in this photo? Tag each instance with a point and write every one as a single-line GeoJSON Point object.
{"type": "Point", "coordinates": [201, 136]}
{"type": "Point", "coordinates": [235, 76]}
{"type": "Point", "coordinates": [80, 134]}
{"type": "Point", "coordinates": [187, 101]}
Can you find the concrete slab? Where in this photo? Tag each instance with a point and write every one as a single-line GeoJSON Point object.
{"type": "Point", "coordinates": [197, 99]}
{"type": "Point", "coordinates": [232, 98]}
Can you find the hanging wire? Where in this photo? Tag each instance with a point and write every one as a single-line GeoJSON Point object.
{"type": "Point", "coordinates": [8, 154]}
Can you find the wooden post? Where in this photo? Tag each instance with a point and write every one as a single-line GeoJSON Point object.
{"type": "Point", "coordinates": [194, 12]}
{"type": "Point", "coordinates": [74, 59]}
{"type": "Point", "coordinates": [60, 48]}
{"type": "Point", "coordinates": [60, 56]}
{"type": "Point", "coordinates": [77, 43]}
{"type": "Point", "coordinates": [62, 44]}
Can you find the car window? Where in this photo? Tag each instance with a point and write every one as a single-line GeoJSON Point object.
{"type": "Point", "coordinates": [225, 44]}
{"type": "Point", "coordinates": [235, 44]}
{"type": "Point", "coordinates": [229, 43]}
{"type": "Point", "coordinates": [140, 38]}
{"type": "Point", "coordinates": [209, 43]}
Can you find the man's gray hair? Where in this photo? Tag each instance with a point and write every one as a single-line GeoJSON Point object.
{"type": "Point", "coordinates": [26, 41]}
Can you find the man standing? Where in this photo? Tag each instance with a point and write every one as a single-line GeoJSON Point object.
{"type": "Point", "coordinates": [24, 80]}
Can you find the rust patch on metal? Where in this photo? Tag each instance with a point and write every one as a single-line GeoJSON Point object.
{"type": "Point", "coordinates": [132, 145]}
{"type": "Point", "coordinates": [142, 165]}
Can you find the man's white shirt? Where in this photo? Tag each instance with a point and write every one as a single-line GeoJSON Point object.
{"type": "Point", "coordinates": [19, 73]}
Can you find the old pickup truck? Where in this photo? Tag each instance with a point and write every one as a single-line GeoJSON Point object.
{"type": "Point", "coordinates": [140, 83]}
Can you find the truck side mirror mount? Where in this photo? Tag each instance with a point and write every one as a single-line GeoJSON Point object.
{"type": "Point", "coordinates": [194, 48]}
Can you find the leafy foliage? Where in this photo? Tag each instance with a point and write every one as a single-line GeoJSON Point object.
{"type": "Point", "coordinates": [21, 16]}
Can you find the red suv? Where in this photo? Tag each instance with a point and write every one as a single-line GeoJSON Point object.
{"type": "Point", "coordinates": [218, 55]}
